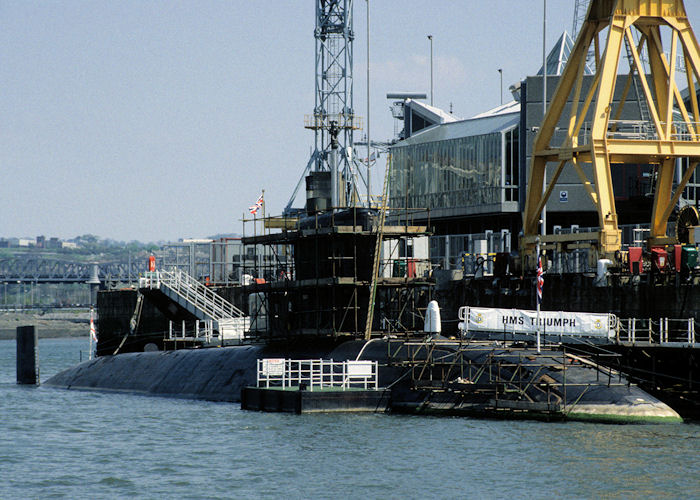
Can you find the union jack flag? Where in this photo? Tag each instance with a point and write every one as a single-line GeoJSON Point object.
{"type": "Point", "coordinates": [540, 280]}
{"type": "Point", "coordinates": [253, 209]}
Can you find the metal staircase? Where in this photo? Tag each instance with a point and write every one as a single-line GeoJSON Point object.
{"type": "Point", "coordinates": [199, 300]}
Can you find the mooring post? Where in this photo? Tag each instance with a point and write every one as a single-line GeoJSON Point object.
{"type": "Point", "coordinates": [27, 355]}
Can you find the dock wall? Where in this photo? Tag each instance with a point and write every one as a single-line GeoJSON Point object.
{"type": "Point", "coordinates": [569, 292]}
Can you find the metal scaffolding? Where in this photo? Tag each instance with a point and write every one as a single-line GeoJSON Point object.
{"type": "Point", "coordinates": [318, 278]}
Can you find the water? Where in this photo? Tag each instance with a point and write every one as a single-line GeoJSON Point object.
{"type": "Point", "coordinates": [69, 444]}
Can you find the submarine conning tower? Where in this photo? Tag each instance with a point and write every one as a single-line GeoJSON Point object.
{"type": "Point", "coordinates": [324, 288]}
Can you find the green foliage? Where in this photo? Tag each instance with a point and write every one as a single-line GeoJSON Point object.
{"type": "Point", "coordinates": [89, 248]}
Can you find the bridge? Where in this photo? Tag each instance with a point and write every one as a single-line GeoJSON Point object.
{"type": "Point", "coordinates": [40, 270]}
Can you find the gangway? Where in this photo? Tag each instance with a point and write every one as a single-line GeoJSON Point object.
{"type": "Point", "coordinates": [199, 300]}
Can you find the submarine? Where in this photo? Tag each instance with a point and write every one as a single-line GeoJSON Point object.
{"type": "Point", "coordinates": [518, 383]}
{"type": "Point", "coordinates": [325, 306]}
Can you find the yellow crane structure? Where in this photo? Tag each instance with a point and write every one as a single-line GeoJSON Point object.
{"type": "Point", "coordinates": [607, 141]}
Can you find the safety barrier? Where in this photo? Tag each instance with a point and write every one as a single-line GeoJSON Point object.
{"type": "Point", "coordinates": [192, 291]}
{"type": "Point", "coordinates": [661, 331]}
{"type": "Point", "coordinates": [317, 374]}
{"type": "Point", "coordinates": [203, 330]}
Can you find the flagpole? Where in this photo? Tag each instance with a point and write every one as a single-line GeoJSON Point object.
{"type": "Point", "coordinates": [265, 249]}
{"type": "Point", "coordinates": [537, 295]}
{"type": "Point", "coordinates": [242, 252]}
{"type": "Point", "coordinates": [91, 329]}
{"type": "Point", "coordinates": [260, 203]}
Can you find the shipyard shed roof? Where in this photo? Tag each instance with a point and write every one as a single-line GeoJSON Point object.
{"type": "Point", "coordinates": [503, 109]}
{"type": "Point", "coordinates": [431, 113]}
{"type": "Point", "coordinates": [464, 128]}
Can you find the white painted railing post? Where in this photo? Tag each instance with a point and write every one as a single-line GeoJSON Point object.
{"type": "Point", "coordinates": [634, 329]}
{"type": "Point", "coordinates": [345, 374]}
{"type": "Point", "coordinates": [690, 328]}
{"type": "Point", "coordinates": [376, 374]}
{"type": "Point", "coordinates": [629, 329]}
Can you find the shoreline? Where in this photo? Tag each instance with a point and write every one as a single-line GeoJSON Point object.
{"type": "Point", "coordinates": [49, 325]}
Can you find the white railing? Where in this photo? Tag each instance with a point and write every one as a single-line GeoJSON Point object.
{"type": "Point", "coordinates": [203, 330]}
{"type": "Point", "coordinates": [221, 332]}
{"type": "Point", "coordinates": [193, 292]}
{"type": "Point", "coordinates": [317, 374]}
{"type": "Point", "coordinates": [661, 331]}
{"type": "Point", "coordinates": [638, 130]}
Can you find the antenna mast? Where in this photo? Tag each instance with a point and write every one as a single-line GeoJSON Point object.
{"type": "Point", "coordinates": [333, 120]}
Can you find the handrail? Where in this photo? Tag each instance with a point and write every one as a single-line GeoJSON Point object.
{"type": "Point", "coordinates": [661, 331]}
{"type": "Point", "coordinates": [192, 291]}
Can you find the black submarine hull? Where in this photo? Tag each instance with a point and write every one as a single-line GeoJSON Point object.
{"type": "Point", "coordinates": [221, 374]}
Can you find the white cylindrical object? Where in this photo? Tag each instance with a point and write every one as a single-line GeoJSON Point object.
{"type": "Point", "coordinates": [432, 318]}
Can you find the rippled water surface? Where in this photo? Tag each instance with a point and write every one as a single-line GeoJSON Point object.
{"type": "Point", "coordinates": [69, 444]}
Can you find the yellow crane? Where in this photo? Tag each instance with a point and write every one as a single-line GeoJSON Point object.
{"type": "Point", "coordinates": [597, 147]}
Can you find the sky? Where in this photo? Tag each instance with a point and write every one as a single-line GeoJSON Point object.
{"type": "Point", "coordinates": [158, 120]}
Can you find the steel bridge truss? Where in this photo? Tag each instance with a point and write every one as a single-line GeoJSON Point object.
{"type": "Point", "coordinates": [40, 270]}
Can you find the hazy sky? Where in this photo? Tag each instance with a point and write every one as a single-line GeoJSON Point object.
{"type": "Point", "coordinates": [156, 120]}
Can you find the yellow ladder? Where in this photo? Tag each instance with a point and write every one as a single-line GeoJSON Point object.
{"type": "Point", "coordinates": [377, 252]}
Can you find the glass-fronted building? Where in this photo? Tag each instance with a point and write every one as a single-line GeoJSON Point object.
{"type": "Point", "coordinates": [463, 168]}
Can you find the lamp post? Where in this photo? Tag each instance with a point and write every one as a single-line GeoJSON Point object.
{"type": "Point", "coordinates": [430, 37]}
{"type": "Point", "coordinates": [544, 60]}
{"type": "Point", "coordinates": [369, 183]}
{"type": "Point", "coordinates": [500, 72]}
{"type": "Point", "coordinates": [544, 103]}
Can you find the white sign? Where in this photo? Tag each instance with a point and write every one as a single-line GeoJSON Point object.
{"type": "Point", "coordinates": [577, 324]}
{"type": "Point", "coordinates": [273, 367]}
{"type": "Point", "coordinates": [360, 368]}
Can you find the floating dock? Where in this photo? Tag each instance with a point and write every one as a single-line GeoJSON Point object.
{"type": "Point", "coordinates": [316, 385]}
{"type": "Point", "coordinates": [293, 400]}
